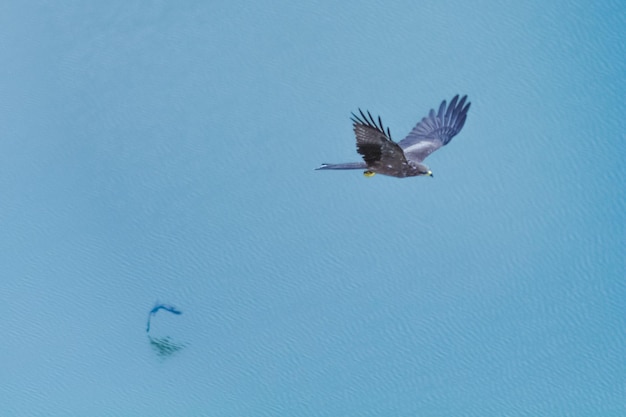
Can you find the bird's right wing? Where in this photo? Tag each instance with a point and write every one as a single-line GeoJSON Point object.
{"type": "Point", "coordinates": [373, 142]}
{"type": "Point", "coordinates": [435, 130]}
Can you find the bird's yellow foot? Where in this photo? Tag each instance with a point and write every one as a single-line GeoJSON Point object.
{"type": "Point", "coordinates": [369, 173]}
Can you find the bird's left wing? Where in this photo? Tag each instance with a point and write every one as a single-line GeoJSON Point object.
{"type": "Point", "coordinates": [373, 142]}
{"type": "Point", "coordinates": [435, 130]}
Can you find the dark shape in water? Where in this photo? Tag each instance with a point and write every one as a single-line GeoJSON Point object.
{"type": "Point", "coordinates": [158, 307]}
{"type": "Point", "coordinates": [164, 346]}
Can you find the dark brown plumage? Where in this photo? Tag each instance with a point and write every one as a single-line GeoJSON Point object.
{"type": "Point", "coordinates": [403, 159]}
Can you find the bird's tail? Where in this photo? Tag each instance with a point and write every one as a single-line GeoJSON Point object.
{"type": "Point", "coordinates": [347, 165]}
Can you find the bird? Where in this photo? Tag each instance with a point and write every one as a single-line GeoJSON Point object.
{"type": "Point", "coordinates": [158, 307]}
{"type": "Point", "coordinates": [381, 155]}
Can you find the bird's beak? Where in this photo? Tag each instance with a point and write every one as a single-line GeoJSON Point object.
{"type": "Point", "coordinates": [429, 173]}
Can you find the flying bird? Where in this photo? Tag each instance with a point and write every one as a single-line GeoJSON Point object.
{"type": "Point", "coordinates": [158, 307]}
{"type": "Point", "coordinates": [404, 159]}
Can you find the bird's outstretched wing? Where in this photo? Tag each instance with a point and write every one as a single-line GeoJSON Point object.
{"type": "Point", "coordinates": [374, 143]}
{"type": "Point", "coordinates": [435, 130]}
{"type": "Point", "coordinates": [158, 307]}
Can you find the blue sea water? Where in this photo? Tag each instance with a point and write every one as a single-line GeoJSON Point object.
{"type": "Point", "coordinates": [164, 152]}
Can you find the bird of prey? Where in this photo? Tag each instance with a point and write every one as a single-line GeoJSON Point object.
{"type": "Point", "coordinates": [404, 159]}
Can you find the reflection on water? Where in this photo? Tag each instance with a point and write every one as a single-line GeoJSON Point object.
{"type": "Point", "coordinates": [163, 345]}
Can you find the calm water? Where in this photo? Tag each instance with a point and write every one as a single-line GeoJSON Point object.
{"type": "Point", "coordinates": [165, 152]}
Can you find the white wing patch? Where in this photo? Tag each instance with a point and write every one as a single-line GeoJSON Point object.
{"type": "Point", "coordinates": [417, 147]}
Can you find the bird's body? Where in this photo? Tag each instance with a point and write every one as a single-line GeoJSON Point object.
{"type": "Point", "coordinates": [404, 159]}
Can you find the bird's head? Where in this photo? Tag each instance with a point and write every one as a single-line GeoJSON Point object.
{"type": "Point", "coordinates": [417, 169]}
